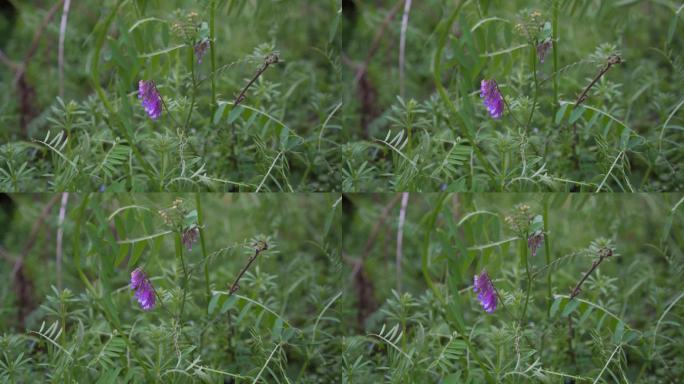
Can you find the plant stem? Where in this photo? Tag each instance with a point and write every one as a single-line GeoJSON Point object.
{"type": "Point", "coordinates": [200, 225]}
{"type": "Point", "coordinates": [533, 53]}
{"type": "Point", "coordinates": [430, 221]}
{"type": "Point", "coordinates": [547, 253]}
{"type": "Point", "coordinates": [578, 288]}
{"type": "Point", "coordinates": [554, 42]}
{"type": "Point", "coordinates": [95, 78]}
{"type": "Point", "coordinates": [191, 57]}
{"type": "Point", "coordinates": [260, 247]}
{"type": "Point", "coordinates": [523, 255]}
{"type": "Point", "coordinates": [436, 72]}
{"type": "Point", "coordinates": [179, 253]}
{"type": "Point", "coordinates": [212, 37]}
{"type": "Point", "coordinates": [269, 60]}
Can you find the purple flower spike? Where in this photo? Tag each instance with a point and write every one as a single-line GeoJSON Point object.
{"type": "Point", "coordinates": [143, 289]}
{"type": "Point", "coordinates": [190, 235]}
{"type": "Point", "coordinates": [151, 100]}
{"type": "Point", "coordinates": [492, 98]}
{"type": "Point", "coordinates": [485, 291]}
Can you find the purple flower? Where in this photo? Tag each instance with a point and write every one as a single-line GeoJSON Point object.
{"type": "Point", "coordinates": [201, 50]}
{"type": "Point", "coordinates": [492, 98]}
{"type": "Point", "coordinates": [190, 236]}
{"type": "Point", "coordinates": [542, 49]}
{"type": "Point", "coordinates": [143, 289]}
{"type": "Point", "coordinates": [151, 100]}
{"type": "Point", "coordinates": [484, 288]}
{"type": "Point", "coordinates": [535, 241]}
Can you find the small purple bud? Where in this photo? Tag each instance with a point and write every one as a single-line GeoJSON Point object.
{"type": "Point", "coordinates": [151, 100]}
{"type": "Point", "coordinates": [493, 100]}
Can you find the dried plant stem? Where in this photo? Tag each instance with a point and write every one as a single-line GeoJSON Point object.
{"type": "Point", "coordinates": [268, 61]}
{"type": "Point", "coordinates": [612, 60]}
{"type": "Point", "coordinates": [606, 253]}
{"type": "Point", "coordinates": [260, 247]}
{"type": "Point", "coordinates": [603, 254]}
{"type": "Point", "coordinates": [62, 35]}
{"type": "Point", "coordinates": [402, 46]}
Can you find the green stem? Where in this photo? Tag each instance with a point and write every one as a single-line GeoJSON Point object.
{"type": "Point", "coordinates": [95, 78]}
{"type": "Point", "coordinates": [547, 252]}
{"type": "Point", "coordinates": [554, 39]}
{"type": "Point", "coordinates": [429, 227]}
{"type": "Point", "coordinates": [523, 255]}
{"type": "Point", "coordinates": [191, 63]}
{"type": "Point", "coordinates": [212, 37]}
{"type": "Point", "coordinates": [436, 72]}
{"type": "Point", "coordinates": [179, 252]}
{"type": "Point", "coordinates": [533, 52]}
{"type": "Point", "coordinates": [200, 224]}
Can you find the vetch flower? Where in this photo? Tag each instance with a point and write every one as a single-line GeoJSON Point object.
{"type": "Point", "coordinates": [190, 236]}
{"type": "Point", "coordinates": [542, 49]}
{"type": "Point", "coordinates": [484, 288]}
{"type": "Point", "coordinates": [151, 100]}
{"type": "Point", "coordinates": [492, 98]}
{"type": "Point", "coordinates": [534, 241]}
{"type": "Point", "coordinates": [143, 289]}
{"type": "Point", "coordinates": [201, 50]}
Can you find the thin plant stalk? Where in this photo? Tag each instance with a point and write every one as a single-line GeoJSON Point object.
{"type": "Point", "coordinates": [191, 59]}
{"type": "Point", "coordinates": [523, 256]}
{"type": "Point", "coordinates": [547, 253]}
{"type": "Point", "coordinates": [533, 53]}
{"type": "Point", "coordinates": [554, 42]}
{"type": "Point", "coordinates": [179, 254]}
{"type": "Point", "coordinates": [430, 223]}
{"type": "Point", "coordinates": [200, 225]}
{"type": "Point", "coordinates": [436, 72]}
{"type": "Point", "coordinates": [212, 37]}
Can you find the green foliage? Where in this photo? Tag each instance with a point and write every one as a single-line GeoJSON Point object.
{"type": "Point", "coordinates": [278, 327]}
{"type": "Point", "coordinates": [97, 136]}
{"type": "Point", "coordinates": [625, 136]}
{"type": "Point", "coordinates": [624, 325]}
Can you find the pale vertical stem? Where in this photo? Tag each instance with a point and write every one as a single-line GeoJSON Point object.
{"type": "Point", "coordinates": [60, 237]}
{"type": "Point", "coordinates": [400, 236]}
{"type": "Point", "coordinates": [62, 35]}
{"type": "Point", "coordinates": [402, 45]}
